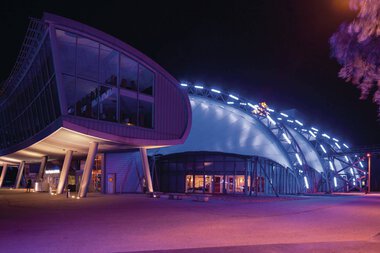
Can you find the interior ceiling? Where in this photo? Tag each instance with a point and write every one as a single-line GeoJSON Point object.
{"type": "Point", "coordinates": [55, 145]}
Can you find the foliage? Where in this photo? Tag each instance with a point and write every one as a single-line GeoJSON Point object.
{"type": "Point", "coordinates": [356, 46]}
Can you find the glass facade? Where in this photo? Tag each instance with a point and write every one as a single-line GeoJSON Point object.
{"type": "Point", "coordinates": [103, 83]}
{"type": "Point", "coordinates": [217, 173]}
{"type": "Point", "coordinates": [34, 104]}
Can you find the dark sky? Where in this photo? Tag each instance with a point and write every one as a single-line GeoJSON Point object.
{"type": "Point", "coordinates": [273, 51]}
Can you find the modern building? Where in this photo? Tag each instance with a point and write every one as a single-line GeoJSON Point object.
{"type": "Point", "coordinates": [240, 146]}
{"type": "Point", "coordinates": [83, 110]}
{"type": "Point", "coordinates": [84, 97]}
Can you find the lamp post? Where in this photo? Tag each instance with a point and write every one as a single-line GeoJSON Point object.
{"type": "Point", "coordinates": [369, 172]}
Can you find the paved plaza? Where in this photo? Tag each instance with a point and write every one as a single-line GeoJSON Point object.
{"type": "Point", "coordinates": [39, 222]}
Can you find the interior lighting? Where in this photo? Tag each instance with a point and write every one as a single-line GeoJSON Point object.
{"type": "Point", "coordinates": [310, 132]}
{"type": "Point", "coordinates": [271, 120]}
{"type": "Point", "coordinates": [298, 159]}
{"type": "Point", "coordinates": [216, 91]}
{"type": "Point", "coordinates": [313, 128]}
{"type": "Point", "coordinates": [198, 87]}
{"type": "Point", "coordinates": [279, 118]}
{"type": "Point", "coordinates": [345, 145]}
{"type": "Point", "coordinates": [326, 136]}
{"type": "Point", "coordinates": [331, 166]}
{"type": "Point", "coordinates": [323, 148]}
{"type": "Point", "coordinates": [352, 171]}
{"type": "Point", "coordinates": [184, 84]}
{"type": "Point", "coordinates": [345, 157]}
{"type": "Point", "coordinates": [299, 123]}
{"type": "Point", "coordinates": [52, 171]}
{"type": "Point", "coordinates": [335, 182]}
{"type": "Point", "coordinates": [286, 138]}
{"type": "Point", "coordinates": [251, 105]}
{"type": "Point", "coordinates": [306, 182]}
{"type": "Point", "coordinates": [289, 120]}
{"type": "Point", "coordinates": [243, 103]}
{"type": "Point", "coordinates": [285, 115]}
{"type": "Point", "coordinates": [230, 103]}
{"type": "Point", "coordinates": [361, 165]}
{"type": "Point", "coordinates": [336, 140]}
{"type": "Point", "coordinates": [234, 97]}
{"type": "Point", "coordinates": [304, 130]}
{"type": "Point", "coordinates": [336, 144]}
{"type": "Point", "coordinates": [269, 109]}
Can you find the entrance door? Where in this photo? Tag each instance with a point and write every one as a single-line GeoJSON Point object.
{"type": "Point", "coordinates": [218, 184]}
{"type": "Point", "coordinates": [111, 183]}
{"type": "Point", "coordinates": [230, 184]}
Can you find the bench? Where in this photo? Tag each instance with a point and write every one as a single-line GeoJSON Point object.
{"type": "Point", "coordinates": [201, 197]}
{"type": "Point", "coordinates": [176, 196]}
{"type": "Point", "coordinates": [154, 194]}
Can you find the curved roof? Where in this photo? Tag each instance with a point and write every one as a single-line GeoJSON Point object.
{"type": "Point", "coordinates": [222, 128]}
{"type": "Point", "coordinates": [311, 155]}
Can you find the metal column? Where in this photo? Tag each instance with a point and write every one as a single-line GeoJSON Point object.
{"type": "Point", "coordinates": [145, 164]}
{"type": "Point", "coordinates": [86, 177]}
{"type": "Point", "coordinates": [19, 174]}
{"type": "Point", "coordinates": [64, 171]}
{"type": "Point", "coordinates": [42, 168]}
{"type": "Point", "coordinates": [3, 173]}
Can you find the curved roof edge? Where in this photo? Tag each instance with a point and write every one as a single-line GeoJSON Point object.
{"type": "Point", "coordinates": [75, 25]}
{"type": "Point", "coordinates": [204, 137]}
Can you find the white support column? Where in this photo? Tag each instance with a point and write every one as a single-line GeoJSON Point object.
{"type": "Point", "coordinates": [86, 177]}
{"type": "Point", "coordinates": [64, 171]}
{"type": "Point", "coordinates": [3, 173]}
{"type": "Point", "coordinates": [19, 174]}
{"type": "Point", "coordinates": [145, 164]}
{"type": "Point", "coordinates": [42, 168]}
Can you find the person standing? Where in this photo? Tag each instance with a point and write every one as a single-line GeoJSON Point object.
{"type": "Point", "coordinates": [28, 184]}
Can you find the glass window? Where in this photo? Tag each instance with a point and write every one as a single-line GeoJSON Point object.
{"type": "Point", "coordinates": [87, 94]}
{"type": "Point", "coordinates": [108, 103]}
{"type": "Point", "coordinates": [146, 80]}
{"type": "Point", "coordinates": [69, 87]}
{"type": "Point", "coordinates": [109, 63]}
{"type": "Point", "coordinates": [87, 58]}
{"type": "Point", "coordinates": [128, 73]}
{"type": "Point", "coordinates": [128, 110]}
{"type": "Point", "coordinates": [66, 49]}
{"type": "Point", "coordinates": [145, 114]}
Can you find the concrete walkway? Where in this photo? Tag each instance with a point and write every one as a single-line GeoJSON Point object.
{"type": "Point", "coordinates": [38, 222]}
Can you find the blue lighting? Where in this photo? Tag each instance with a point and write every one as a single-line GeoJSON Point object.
{"type": "Point", "coordinates": [271, 120]}
{"type": "Point", "coordinates": [286, 138]}
{"type": "Point", "coordinates": [184, 84]}
{"type": "Point", "coordinates": [336, 140]}
{"type": "Point", "coordinates": [198, 87]}
{"type": "Point", "coordinates": [270, 110]}
{"type": "Point", "coordinates": [216, 91]}
{"type": "Point", "coordinates": [279, 118]}
{"type": "Point", "coordinates": [299, 123]}
{"type": "Point", "coordinates": [289, 120]}
{"type": "Point", "coordinates": [251, 105]}
{"type": "Point", "coordinates": [232, 96]}
{"type": "Point", "coordinates": [331, 166]}
{"type": "Point", "coordinates": [298, 159]}
{"type": "Point", "coordinates": [310, 132]}
{"type": "Point", "coordinates": [306, 182]}
{"type": "Point", "coordinates": [345, 145]}
{"type": "Point", "coordinates": [230, 103]}
{"type": "Point", "coordinates": [313, 128]}
{"type": "Point", "coordinates": [326, 136]}
{"type": "Point", "coordinates": [335, 182]}
{"type": "Point", "coordinates": [336, 144]}
{"type": "Point", "coordinates": [285, 115]}
{"type": "Point", "coordinates": [323, 148]}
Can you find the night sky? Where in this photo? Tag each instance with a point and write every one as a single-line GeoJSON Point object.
{"type": "Point", "coordinates": [273, 51]}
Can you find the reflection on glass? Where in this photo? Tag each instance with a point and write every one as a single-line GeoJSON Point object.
{"type": "Point", "coordinates": [128, 73]}
{"type": "Point", "coordinates": [108, 103]}
{"type": "Point", "coordinates": [66, 46]}
{"type": "Point", "coordinates": [128, 110]}
{"type": "Point", "coordinates": [146, 80]}
{"type": "Point", "coordinates": [87, 94]}
{"type": "Point", "coordinates": [92, 74]}
{"type": "Point", "coordinates": [145, 114]}
{"type": "Point", "coordinates": [87, 58]}
{"type": "Point", "coordinates": [69, 85]}
{"type": "Point", "coordinates": [109, 64]}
